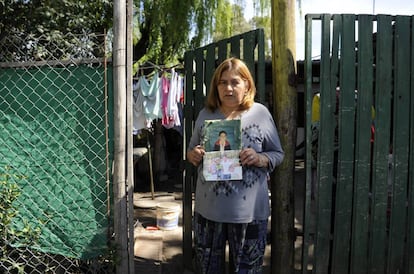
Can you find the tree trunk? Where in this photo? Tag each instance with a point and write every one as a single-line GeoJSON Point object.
{"type": "Point", "coordinates": [285, 102]}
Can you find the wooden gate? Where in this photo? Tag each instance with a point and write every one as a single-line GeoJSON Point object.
{"type": "Point", "coordinates": [199, 68]}
{"type": "Point", "coordinates": [359, 209]}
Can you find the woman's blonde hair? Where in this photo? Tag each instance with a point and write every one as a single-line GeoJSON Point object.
{"type": "Point", "coordinates": [238, 66]}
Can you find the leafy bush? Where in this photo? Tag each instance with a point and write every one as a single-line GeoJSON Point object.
{"type": "Point", "coordinates": [9, 193]}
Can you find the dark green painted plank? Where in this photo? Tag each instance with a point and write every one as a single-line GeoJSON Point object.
{"type": "Point", "coordinates": [410, 235]}
{"type": "Point", "coordinates": [307, 216]}
{"type": "Point", "coordinates": [222, 50]}
{"type": "Point", "coordinates": [377, 258]}
{"type": "Point", "coordinates": [359, 240]}
{"type": "Point", "coordinates": [200, 90]}
{"type": "Point", "coordinates": [346, 117]}
{"type": "Point", "coordinates": [378, 243]}
{"type": "Point", "coordinates": [401, 102]}
{"type": "Point", "coordinates": [249, 45]}
{"type": "Point", "coordinates": [260, 67]}
{"type": "Point", "coordinates": [335, 52]}
{"type": "Point", "coordinates": [325, 155]}
{"type": "Point", "coordinates": [189, 170]}
{"type": "Point", "coordinates": [188, 107]}
{"type": "Point", "coordinates": [235, 46]}
{"type": "Point", "coordinates": [210, 65]}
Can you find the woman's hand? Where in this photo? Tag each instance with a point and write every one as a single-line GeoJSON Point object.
{"type": "Point", "coordinates": [195, 155]}
{"type": "Point", "coordinates": [249, 157]}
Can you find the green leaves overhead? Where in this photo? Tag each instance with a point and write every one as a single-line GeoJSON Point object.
{"type": "Point", "coordinates": [37, 17]}
{"type": "Point", "coordinates": [162, 29]}
{"type": "Point", "coordinates": [167, 28]}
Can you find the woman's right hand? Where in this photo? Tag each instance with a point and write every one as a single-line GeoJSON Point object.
{"type": "Point", "coordinates": [195, 155]}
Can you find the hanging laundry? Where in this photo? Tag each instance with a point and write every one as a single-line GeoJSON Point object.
{"type": "Point", "coordinates": [180, 101]}
{"type": "Point", "coordinates": [172, 90]}
{"type": "Point", "coordinates": [139, 121]}
{"type": "Point", "coordinates": [165, 90]}
{"type": "Point", "coordinates": [151, 92]}
{"type": "Point", "coordinates": [146, 102]}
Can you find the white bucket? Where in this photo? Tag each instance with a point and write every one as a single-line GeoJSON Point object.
{"type": "Point", "coordinates": [167, 215]}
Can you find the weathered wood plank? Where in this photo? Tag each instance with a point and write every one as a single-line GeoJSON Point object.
{"type": "Point", "coordinates": [410, 231]}
{"type": "Point", "coordinates": [260, 70]}
{"type": "Point", "coordinates": [210, 67]}
{"type": "Point", "coordinates": [359, 240]}
{"type": "Point", "coordinates": [249, 46]}
{"type": "Point", "coordinates": [325, 155]}
{"type": "Point", "coordinates": [189, 170]}
{"type": "Point", "coordinates": [235, 46]}
{"type": "Point", "coordinates": [222, 50]}
{"type": "Point", "coordinates": [401, 144]}
{"type": "Point", "coordinates": [383, 88]}
{"type": "Point", "coordinates": [346, 128]}
{"type": "Point", "coordinates": [307, 215]}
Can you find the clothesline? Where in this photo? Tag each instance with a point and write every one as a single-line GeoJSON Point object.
{"type": "Point", "coordinates": [151, 66]}
{"type": "Point", "coordinates": [158, 97]}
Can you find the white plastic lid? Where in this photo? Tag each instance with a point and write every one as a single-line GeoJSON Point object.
{"type": "Point", "coordinates": [168, 205]}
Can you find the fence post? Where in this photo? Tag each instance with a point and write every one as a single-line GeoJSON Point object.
{"type": "Point", "coordinates": [120, 198]}
{"type": "Point", "coordinates": [283, 63]}
{"type": "Point", "coordinates": [129, 145]}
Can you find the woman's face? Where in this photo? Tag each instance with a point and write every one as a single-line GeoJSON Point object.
{"type": "Point", "coordinates": [231, 89]}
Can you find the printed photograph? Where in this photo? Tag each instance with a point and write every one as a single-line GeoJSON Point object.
{"type": "Point", "coordinates": [222, 142]}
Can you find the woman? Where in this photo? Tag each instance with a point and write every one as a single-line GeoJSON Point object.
{"type": "Point", "coordinates": [234, 211]}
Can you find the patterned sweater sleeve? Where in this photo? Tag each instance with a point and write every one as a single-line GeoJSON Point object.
{"type": "Point", "coordinates": [272, 147]}
{"type": "Point", "coordinates": [196, 135]}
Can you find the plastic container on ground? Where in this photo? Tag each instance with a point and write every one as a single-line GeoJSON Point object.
{"type": "Point", "coordinates": [167, 215]}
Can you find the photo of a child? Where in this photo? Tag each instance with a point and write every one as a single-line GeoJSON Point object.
{"type": "Point", "coordinates": [222, 140]}
{"type": "Point", "coordinates": [222, 143]}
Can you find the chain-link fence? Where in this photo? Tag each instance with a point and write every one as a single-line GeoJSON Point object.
{"type": "Point", "coordinates": [55, 97]}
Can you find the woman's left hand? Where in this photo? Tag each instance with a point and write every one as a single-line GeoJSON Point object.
{"type": "Point", "coordinates": [249, 157]}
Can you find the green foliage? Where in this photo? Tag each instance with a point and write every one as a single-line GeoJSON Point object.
{"type": "Point", "coordinates": [9, 192]}
{"type": "Point", "coordinates": [162, 29]}
{"type": "Point", "coordinates": [223, 21]}
{"type": "Point", "coordinates": [262, 8]}
{"type": "Point", "coordinates": [27, 26]}
{"type": "Point", "coordinates": [264, 23]}
{"type": "Point", "coordinates": [9, 235]}
{"type": "Point", "coordinates": [18, 252]}
{"type": "Point", "coordinates": [37, 17]}
{"type": "Point", "coordinates": [167, 28]}
{"type": "Point", "coordinates": [230, 21]}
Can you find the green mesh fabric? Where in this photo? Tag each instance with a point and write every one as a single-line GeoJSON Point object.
{"type": "Point", "coordinates": [53, 132]}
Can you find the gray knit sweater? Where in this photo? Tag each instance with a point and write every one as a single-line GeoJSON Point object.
{"type": "Point", "coordinates": [246, 200]}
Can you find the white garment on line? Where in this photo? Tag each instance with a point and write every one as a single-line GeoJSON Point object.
{"type": "Point", "coordinates": [146, 103]}
{"type": "Point", "coordinates": [174, 94]}
{"type": "Point", "coordinates": [158, 99]}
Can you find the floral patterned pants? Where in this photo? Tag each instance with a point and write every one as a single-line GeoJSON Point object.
{"type": "Point", "coordinates": [247, 243]}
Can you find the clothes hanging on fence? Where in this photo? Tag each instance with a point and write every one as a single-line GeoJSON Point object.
{"type": "Point", "coordinates": [161, 98]}
{"type": "Point", "coordinates": [172, 90]}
